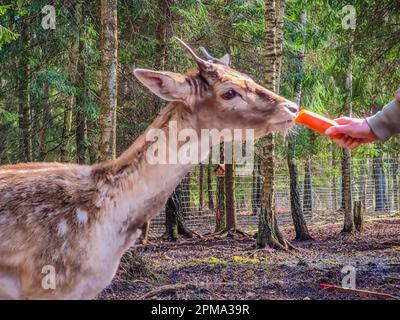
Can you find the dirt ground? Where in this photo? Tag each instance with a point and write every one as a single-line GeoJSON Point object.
{"type": "Point", "coordinates": [228, 268]}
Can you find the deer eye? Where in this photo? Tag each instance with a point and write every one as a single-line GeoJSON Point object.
{"type": "Point", "coordinates": [230, 94]}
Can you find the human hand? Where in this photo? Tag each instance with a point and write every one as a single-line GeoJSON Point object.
{"type": "Point", "coordinates": [351, 132]}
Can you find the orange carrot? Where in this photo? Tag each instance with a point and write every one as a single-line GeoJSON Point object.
{"type": "Point", "coordinates": [314, 121]}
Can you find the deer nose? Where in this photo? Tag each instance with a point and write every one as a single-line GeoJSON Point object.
{"type": "Point", "coordinates": [292, 107]}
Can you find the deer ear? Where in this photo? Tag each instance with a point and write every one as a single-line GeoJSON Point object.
{"type": "Point", "coordinates": [226, 59]}
{"type": "Point", "coordinates": [167, 85]}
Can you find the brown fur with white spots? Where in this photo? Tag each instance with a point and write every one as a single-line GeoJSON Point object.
{"type": "Point", "coordinates": [81, 219]}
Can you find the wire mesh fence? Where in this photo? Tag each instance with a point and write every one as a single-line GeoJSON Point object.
{"type": "Point", "coordinates": [374, 182]}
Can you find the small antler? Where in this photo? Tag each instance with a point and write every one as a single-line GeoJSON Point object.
{"type": "Point", "coordinates": [209, 56]}
{"type": "Point", "coordinates": [203, 64]}
{"type": "Point", "coordinates": [224, 60]}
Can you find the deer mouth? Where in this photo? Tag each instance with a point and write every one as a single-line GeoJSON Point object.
{"type": "Point", "coordinates": [286, 123]}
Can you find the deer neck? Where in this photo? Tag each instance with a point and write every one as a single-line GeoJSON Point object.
{"type": "Point", "coordinates": [133, 188]}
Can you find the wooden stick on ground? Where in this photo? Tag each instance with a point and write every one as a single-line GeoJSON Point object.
{"type": "Point", "coordinates": [392, 278]}
{"type": "Point", "coordinates": [363, 293]}
{"type": "Point", "coordinates": [167, 288]}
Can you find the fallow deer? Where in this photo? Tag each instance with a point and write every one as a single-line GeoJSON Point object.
{"type": "Point", "coordinates": [80, 219]}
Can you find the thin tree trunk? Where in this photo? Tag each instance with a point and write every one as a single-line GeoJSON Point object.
{"type": "Point", "coordinates": [380, 184]}
{"type": "Point", "coordinates": [209, 184]}
{"type": "Point", "coordinates": [220, 220]}
{"type": "Point", "coordinates": [24, 103]}
{"type": "Point", "coordinates": [171, 219]}
{"type": "Point", "coordinates": [256, 187]}
{"type": "Point", "coordinates": [76, 54]}
{"type": "Point", "coordinates": [160, 55]}
{"type": "Point", "coordinates": [359, 215]}
{"type": "Point", "coordinates": [299, 222]}
{"type": "Point", "coordinates": [280, 12]}
{"type": "Point", "coordinates": [174, 214]}
{"type": "Point", "coordinates": [347, 188]}
{"type": "Point", "coordinates": [395, 182]}
{"type": "Point", "coordinates": [109, 61]}
{"type": "Point", "coordinates": [307, 186]}
{"type": "Point", "coordinates": [365, 186]}
{"type": "Point", "coordinates": [146, 230]}
{"type": "Point", "coordinates": [347, 193]}
{"type": "Point", "coordinates": [66, 130]}
{"type": "Point", "coordinates": [186, 203]}
{"type": "Point", "coordinates": [334, 183]}
{"type": "Point", "coordinates": [389, 186]}
{"type": "Point", "coordinates": [80, 112]}
{"type": "Point", "coordinates": [220, 213]}
{"type": "Point", "coordinates": [201, 185]}
{"type": "Point", "coordinates": [342, 189]}
{"type": "Point", "coordinates": [176, 210]}
{"type": "Point", "coordinates": [268, 231]}
{"type": "Point", "coordinates": [162, 35]}
{"type": "Point", "coordinates": [45, 123]}
{"type": "Point", "coordinates": [230, 196]}
{"type": "Point", "coordinates": [92, 148]}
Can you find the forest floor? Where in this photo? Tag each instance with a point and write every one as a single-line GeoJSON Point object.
{"type": "Point", "coordinates": [227, 268]}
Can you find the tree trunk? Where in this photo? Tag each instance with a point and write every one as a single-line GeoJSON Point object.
{"type": "Point", "coordinates": [358, 215]}
{"type": "Point", "coordinates": [342, 189]}
{"type": "Point", "coordinates": [108, 97]}
{"type": "Point", "coordinates": [365, 185]}
{"type": "Point", "coordinates": [299, 222]}
{"type": "Point", "coordinates": [256, 187]}
{"type": "Point", "coordinates": [171, 219]}
{"type": "Point", "coordinates": [347, 178]}
{"type": "Point", "coordinates": [307, 186]}
{"type": "Point", "coordinates": [160, 57]}
{"type": "Point", "coordinates": [24, 103]}
{"type": "Point", "coordinates": [279, 12]}
{"type": "Point", "coordinates": [174, 215]}
{"type": "Point", "coordinates": [146, 230]}
{"type": "Point", "coordinates": [209, 184]}
{"type": "Point", "coordinates": [379, 182]}
{"type": "Point", "coordinates": [45, 123]}
{"type": "Point", "coordinates": [334, 183]}
{"type": "Point", "coordinates": [220, 212]}
{"type": "Point", "coordinates": [268, 231]}
{"type": "Point", "coordinates": [186, 203]}
{"type": "Point", "coordinates": [347, 193]}
{"type": "Point", "coordinates": [201, 182]}
{"type": "Point", "coordinates": [388, 198]}
{"type": "Point", "coordinates": [76, 55]}
{"type": "Point", "coordinates": [230, 196]}
{"type": "Point", "coordinates": [220, 220]}
{"type": "Point", "coordinates": [80, 107]}
{"type": "Point", "coordinates": [162, 35]}
{"type": "Point", "coordinates": [395, 182]}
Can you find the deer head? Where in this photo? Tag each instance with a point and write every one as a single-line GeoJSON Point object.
{"type": "Point", "coordinates": [221, 97]}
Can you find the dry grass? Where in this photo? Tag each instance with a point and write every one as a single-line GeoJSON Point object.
{"type": "Point", "coordinates": [224, 268]}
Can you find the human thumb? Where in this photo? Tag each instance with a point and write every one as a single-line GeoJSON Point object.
{"type": "Point", "coordinates": [336, 129]}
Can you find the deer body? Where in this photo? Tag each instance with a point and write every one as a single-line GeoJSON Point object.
{"type": "Point", "coordinates": [79, 220]}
